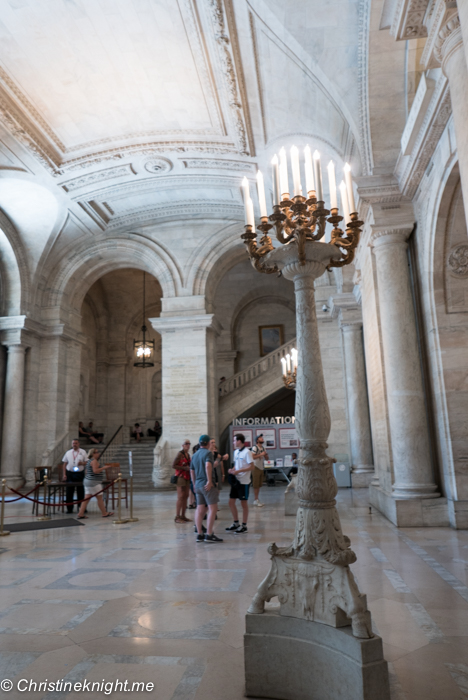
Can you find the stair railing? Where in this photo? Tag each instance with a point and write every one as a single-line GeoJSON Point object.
{"type": "Point", "coordinates": [264, 364]}
{"type": "Point", "coordinates": [113, 445]}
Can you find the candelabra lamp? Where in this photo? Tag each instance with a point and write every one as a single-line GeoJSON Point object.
{"type": "Point", "coordinates": [289, 364]}
{"type": "Point", "coordinates": [319, 644]}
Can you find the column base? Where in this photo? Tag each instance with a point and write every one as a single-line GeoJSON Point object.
{"type": "Point", "coordinates": [293, 659]}
{"type": "Point", "coordinates": [458, 514]}
{"type": "Point", "coordinates": [414, 512]}
{"type": "Point", "coordinates": [361, 478]}
{"type": "Point", "coordinates": [14, 481]}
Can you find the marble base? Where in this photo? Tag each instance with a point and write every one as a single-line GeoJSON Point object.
{"type": "Point", "coordinates": [361, 480]}
{"type": "Point", "coordinates": [458, 514]}
{"type": "Point", "coordinates": [415, 512]}
{"type": "Point", "coordinates": [292, 659]}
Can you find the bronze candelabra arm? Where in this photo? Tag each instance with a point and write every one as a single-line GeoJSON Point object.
{"type": "Point", "coordinates": [347, 242]}
{"type": "Point", "coordinates": [256, 253]}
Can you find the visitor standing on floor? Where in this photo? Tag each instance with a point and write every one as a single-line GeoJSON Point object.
{"type": "Point", "coordinates": [240, 483]}
{"type": "Point", "coordinates": [201, 472]}
{"type": "Point", "coordinates": [182, 471]}
{"type": "Point", "coordinates": [219, 461]}
{"type": "Point", "coordinates": [93, 484]}
{"type": "Point", "coordinates": [73, 463]}
{"type": "Point", "coordinates": [259, 455]}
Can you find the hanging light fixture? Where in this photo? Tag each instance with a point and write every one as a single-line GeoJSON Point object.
{"type": "Point", "coordinates": [143, 349]}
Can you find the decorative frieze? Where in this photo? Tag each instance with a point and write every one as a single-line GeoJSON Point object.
{"type": "Point", "coordinates": [212, 164]}
{"type": "Point", "coordinates": [408, 19]}
{"type": "Point", "coordinates": [98, 176]}
{"type": "Point", "coordinates": [157, 166]}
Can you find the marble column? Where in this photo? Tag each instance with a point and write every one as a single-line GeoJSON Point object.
{"type": "Point", "coordinates": [189, 385]}
{"type": "Point", "coordinates": [13, 416]}
{"type": "Point", "coordinates": [358, 405]}
{"type": "Point", "coordinates": [409, 434]}
{"type": "Point", "coordinates": [450, 52]}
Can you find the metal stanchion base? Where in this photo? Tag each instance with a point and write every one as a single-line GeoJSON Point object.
{"type": "Point", "coordinates": [4, 533]}
{"type": "Point", "coordinates": [44, 517]}
{"type": "Point", "coordinates": [119, 522]}
{"type": "Point", "coordinates": [133, 520]}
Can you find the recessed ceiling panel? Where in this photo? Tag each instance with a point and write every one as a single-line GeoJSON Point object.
{"type": "Point", "coordinates": [97, 70]}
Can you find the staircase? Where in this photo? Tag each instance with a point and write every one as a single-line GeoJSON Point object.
{"type": "Point", "coordinates": [253, 384]}
{"type": "Point", "coordinates": [142, 462]}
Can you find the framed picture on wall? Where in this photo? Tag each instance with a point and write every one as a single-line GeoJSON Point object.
{"type": "Point", "coordinates": [270, 338]}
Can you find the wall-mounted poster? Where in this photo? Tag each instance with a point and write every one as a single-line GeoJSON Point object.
{"type": "Point", "coordinates": [248, 434]}
{"type": "Point", "coordinates": [271, 338]}
{"type": "Point", "coordinates": [288, 438]}
{"type": "Point", "coordinates": [269, 435]}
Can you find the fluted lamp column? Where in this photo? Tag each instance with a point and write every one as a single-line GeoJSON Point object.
{"type": "Point", "coordinates": [311, 577]}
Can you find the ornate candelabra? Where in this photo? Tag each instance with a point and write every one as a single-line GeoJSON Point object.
{"type": "Point", "coordinates": [289, 364]}
{"type": "Point", "coordinates": [311, 576]}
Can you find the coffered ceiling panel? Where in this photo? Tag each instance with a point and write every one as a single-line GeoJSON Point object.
{"type": "Point", "coordinates": [94, 71]}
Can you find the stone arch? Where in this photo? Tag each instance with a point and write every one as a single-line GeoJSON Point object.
{"type": "Point", "coordinates": [73, 279]}
{"type": "Point", "coordinates": [14, 275]}
{"type": "Point", "coordinates": [447, 336]}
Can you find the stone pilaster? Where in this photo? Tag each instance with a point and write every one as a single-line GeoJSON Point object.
{"type": "Point", "coordinates": [358, 403]}
{"type": "Point", "coordinates": [413, 478]}
{"type": "Point", "coordinates": [189, 384]}
{"type": "Point", "coordinates": [12, 437]}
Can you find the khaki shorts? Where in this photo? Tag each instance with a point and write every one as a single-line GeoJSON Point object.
{"type": "Point", "coordinates": [185, 483]}
{"type": "Point", "coordinates": [257, 478]}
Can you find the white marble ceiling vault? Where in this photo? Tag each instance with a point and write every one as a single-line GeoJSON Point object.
{"type": "Point", "coordinates": [124, 117]}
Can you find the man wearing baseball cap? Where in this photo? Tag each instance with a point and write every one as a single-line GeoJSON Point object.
{"type": "Point", "coordinates": [201, 473]}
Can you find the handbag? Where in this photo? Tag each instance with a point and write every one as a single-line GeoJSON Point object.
{"type": "Point", "coordinates": [174, 479]}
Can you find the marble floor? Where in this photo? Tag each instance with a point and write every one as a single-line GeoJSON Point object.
{"type": "Point", "coordinates": [143, 602]}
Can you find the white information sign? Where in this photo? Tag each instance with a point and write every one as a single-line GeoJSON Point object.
{"type": "Point", "coordinates": [288, 438]}
{"type": "Point", "coordinates": [130, 464]}
{"type": "Point", "coordinates": [269, 435]}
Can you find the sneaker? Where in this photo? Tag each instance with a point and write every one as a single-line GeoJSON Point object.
{"type": "Point", "coordinates": [212, 538]}
{"type": "Point", "coordinates": [232, 528]}
{"type": "Point", "coordinates": [260, 505]}
{"type": "Point", "coordinates": [255, 503]}
{"type": "Point", "coordinates": [200, 538]}
{"type": "Point", "coordinates": [203, 528]}
{"type": "Point", "coordinates": [241, 529]}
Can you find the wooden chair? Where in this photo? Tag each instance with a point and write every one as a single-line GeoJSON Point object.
{"type": "Point", "coordinates": [112, 472]}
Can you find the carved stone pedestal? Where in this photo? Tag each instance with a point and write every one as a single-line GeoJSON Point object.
{"type": "Point", "coordinates": [294, 659]}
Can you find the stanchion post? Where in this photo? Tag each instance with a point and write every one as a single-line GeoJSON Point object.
{"type": "Point", "coordinates": [3, 533]}
{"type": "Point", "coordinates": [44, 515]}
{"type": "Point", "coordinates": [130, 464]}
{"type": "Point", "coordinates": [120, 521]}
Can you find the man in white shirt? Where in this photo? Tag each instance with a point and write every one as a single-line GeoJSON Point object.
{"type": "Point", "coordinates": [240, 483]}
{"type": "Point", "coordinates": [73, 463]}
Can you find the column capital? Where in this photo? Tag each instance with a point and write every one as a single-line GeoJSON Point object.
{"type": "Point", "coordinates": [390, 236]}
{"type": "Point", "coordinates": [195, 322]}
{"type": "Point", "coordinates": [351, 326]}
{"type": "Point", "coordinates": [449, 40]}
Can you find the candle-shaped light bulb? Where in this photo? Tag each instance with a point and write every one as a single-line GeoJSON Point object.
{"type": "Point", "coordinates": [283, 363]}
{"type": "Point", "coordinates": [276, 180]}
{"type": "Point", "coordinates": [261, 194]}
{"type": "Point", "coordinates": [318, 176]}
{"type": "Point", "coordinates": [332, 185]}
{"type": "Point", "coordinates": [250, 216]}
{"type": "Point", "coordinates": [309, 172]}
{"type": "Point", "coordinates": [296, 171]}
{"type": "Point", "coordinates": [284, 184]}
{"type": "Point", "coordinates": [246, 194]}
{"type": "Point", "coordinates": [288, 362]}
{"type": "Point", "coordinates": [349, 187]}
{"type": "Point", "coordinates": [294, 359]}
{"type": "Point", "coordinates": [344, 202]}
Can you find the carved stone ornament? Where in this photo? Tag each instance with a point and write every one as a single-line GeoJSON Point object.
{"type": "Point", "coordinates": [311, 576]}
{"type": "Point", "coordinates": [458, 261]}
{"type": "Point", "coordinates": [157, 166]}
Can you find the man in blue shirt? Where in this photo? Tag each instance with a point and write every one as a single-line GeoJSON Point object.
{"type": "Point", "coordinates": [201, 473]}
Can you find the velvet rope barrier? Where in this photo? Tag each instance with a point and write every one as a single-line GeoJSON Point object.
{"type": "Point", "coordinates": [23, 495]}
{"type": "Point", "coordinates": [65, 483]}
